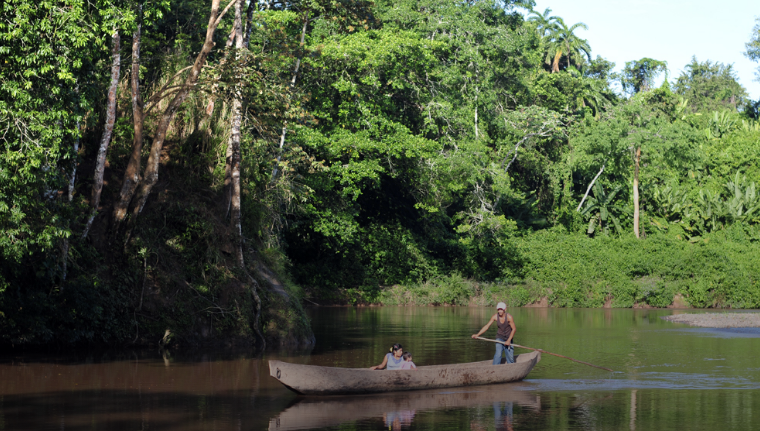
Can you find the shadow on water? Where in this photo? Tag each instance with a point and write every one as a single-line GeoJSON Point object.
{"type": "Point", "coordinates": [187, 392]}
{"type": "Point", "coordinates": [120, 355]}
{"type": "Point", "coordinates": [135, 410]}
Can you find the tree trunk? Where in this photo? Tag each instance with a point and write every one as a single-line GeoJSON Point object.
{"type": "Point", "coordinates": [212, 99]}
{"type": "Point", "coordinates": [235, 215]}
{"type": "Point", "coordinates": [228, 176]}
{"type": "Point", "coordinates": [235, 158]}
{"type": "Point", "coordinates": [555, 63]}
{"type": "Point", "coordinates": [636, 192]}
{"type": "Point", "coordinates": [70, 195]}
{"type": "Point", "coordinates": [228, 155]}
{"type": "Point", "coordinates": [132, 174]}
{"type": "Point", "coordinates": [249, 23]}
{"type": "Point", "coordinates": [97, 185]}
{"type": "Point", "coordinates": [476, 121]}
{"type": "Point", "coordinates": [588, 189]}
{"type": "Point", "coordinates": [74, 164]}
{"type": "Point", "coordinates": [292, 86]}
{"type": "Point", "coordinates": [233, 147]}
{"type": "Point", "coordinates": [150, 178]}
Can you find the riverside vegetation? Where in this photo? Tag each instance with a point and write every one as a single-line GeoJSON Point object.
{"type": "Point", "coordinates": [181, 171]}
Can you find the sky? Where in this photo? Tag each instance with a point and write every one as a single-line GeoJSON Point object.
{"type": "Point", "coordinates": [669, 30]}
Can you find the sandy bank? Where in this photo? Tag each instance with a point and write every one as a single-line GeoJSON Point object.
{"type": "Point", "coordinates": [718, 320]}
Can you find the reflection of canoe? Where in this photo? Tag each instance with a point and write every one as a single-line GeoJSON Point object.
{"type": "Point", "coordinates": [335, 410]}
{"type": "Point", "coordinates": [314, 380]}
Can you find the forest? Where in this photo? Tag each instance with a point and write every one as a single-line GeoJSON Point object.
{"type": "Point", "coordinates": [186, 171]}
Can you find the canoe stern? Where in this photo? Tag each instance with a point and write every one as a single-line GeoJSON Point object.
{"type": "Point", "coordinates": [278, 370]}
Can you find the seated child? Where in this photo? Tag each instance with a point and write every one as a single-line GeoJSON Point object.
{"type": "Point", "coordinates": [408, 364]}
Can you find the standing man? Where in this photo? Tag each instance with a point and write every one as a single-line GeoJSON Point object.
{"type": "Point", "coordinates": [504, 334]}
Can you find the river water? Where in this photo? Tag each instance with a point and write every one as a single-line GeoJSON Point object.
{"type": "Point", "coordinates": [668, 376]}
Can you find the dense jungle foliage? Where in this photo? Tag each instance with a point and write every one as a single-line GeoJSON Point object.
{"type": "Point", "coordinates": [192, 170]}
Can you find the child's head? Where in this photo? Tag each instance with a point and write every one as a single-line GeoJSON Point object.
{"type": "Point", "coordinates": [407, 356]}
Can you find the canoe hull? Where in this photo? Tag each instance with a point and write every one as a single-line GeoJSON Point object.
{"type": "Point", "coordinates": [316, 380]}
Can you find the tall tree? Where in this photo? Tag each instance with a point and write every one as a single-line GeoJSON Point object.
{"type": "Point", "coordinates": [347, 15]}
{"type": "Point", "coordinates": [132, 173]}
{"type": "Point", "coordinates": [305, 19]}
{"type": "Point", "coordinates": [121, 17]}
{"type": "Point", "coordinates": [40, 107]}
{"type": "Point", "coordinates": [100, 163]}
{"type": "Point", "coordinates": [753, 46]}
{"type": "Point", "coordinates": [631, 137]}
{"type": "Point", "coordinates": [562, 42]}
{"type": "Point", "coordinates": [241, 44]}
{"type": "Point", "coordinates": [710, 86]}
{"type": "Point", "coordinates": [544, 22]}
{"type": "Point", "coordinates": [234, 142]}
{"type": "Point", "coordinates": [150, 176]}
{"type": "Point", "coordinates": [639, 75]}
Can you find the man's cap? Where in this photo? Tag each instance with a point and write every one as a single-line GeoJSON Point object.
{"type": "Point", "coordinates": [501, 305]}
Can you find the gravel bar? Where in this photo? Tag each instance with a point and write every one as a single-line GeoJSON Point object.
{"type": "Point", "coordinates": [717, 320]}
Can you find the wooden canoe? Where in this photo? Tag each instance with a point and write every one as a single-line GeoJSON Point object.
{"type": "Point", "coordinates": [332, 411]}
{"type": "Point", "coordinates": [316, 380]}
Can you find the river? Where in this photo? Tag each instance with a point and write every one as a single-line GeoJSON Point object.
{"type": "Point", "coordinates": [668, 376]}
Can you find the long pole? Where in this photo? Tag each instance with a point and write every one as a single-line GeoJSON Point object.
{"type": "Point", "coordinates": [548, 353]}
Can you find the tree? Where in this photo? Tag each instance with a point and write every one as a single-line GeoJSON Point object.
{"type": "Point", "coordinates": [639, 75]}
{"type": "Point", "coordinates": [544, 22]}
{"type": "Point", "coordinates": [117, 18]}
{"type": "Point", "coordinates": [563, 42]}
{"type": "Point", "coordinates": [599, 68]}
{"type": "Point", "coordinates": [100, 165]}
{"type": "Point", "coordinates": [179, 93]}
{"type": "Point", "coordinates": [753, 46]}
{"type": "Point", "coordinates": [710, 86]}
{"type": "Point", "coordinates": [40, 109]}
{"type": "Point", "coordinates": [632, 138]}
{"type": "Point", "coordinates": [592, 92]}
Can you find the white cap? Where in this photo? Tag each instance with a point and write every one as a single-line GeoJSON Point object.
{"type": "Point", "coordinates": [501, 305]}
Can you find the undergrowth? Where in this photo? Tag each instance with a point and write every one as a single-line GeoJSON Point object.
{"type": "Point", "coordinates": [718, 271]}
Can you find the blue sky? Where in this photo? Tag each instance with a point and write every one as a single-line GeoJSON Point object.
{"type": "Point", "coordinates": [670, 30]}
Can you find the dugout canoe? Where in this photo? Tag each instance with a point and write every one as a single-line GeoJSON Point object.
{"type": "Point", "coordinates": [316, 380]}
{"type": "Point", "coordinates": [332, 411]}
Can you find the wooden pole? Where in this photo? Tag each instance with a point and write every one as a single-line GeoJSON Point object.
{"type": "Point", "coordinates": [548, 353]}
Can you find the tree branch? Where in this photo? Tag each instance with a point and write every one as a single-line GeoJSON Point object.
{"type": "Point", "coordinates": [591, 185]}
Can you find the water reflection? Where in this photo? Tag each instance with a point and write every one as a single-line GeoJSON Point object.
{"type": "Point", "coordinates": [399, 420]}
{"type": "Point", "coordinates": [632, 424]}
{"type": "Point", "coordinates": [152, 390]}
{"type": "Point", "coordinates": [398, 410]}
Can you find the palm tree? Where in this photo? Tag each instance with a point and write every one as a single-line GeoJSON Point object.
{"type": "Point", "coordinates": [562, 41]}
{"type": "Point", "coordinates": [544, 22]}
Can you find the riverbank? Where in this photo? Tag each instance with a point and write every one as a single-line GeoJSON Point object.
{"type": "Point", "coordinates": [562, 269]}
{"type": "Point", "coordinates": [460, 291]}
{"type": "Point", "coordinates": [717, 320]}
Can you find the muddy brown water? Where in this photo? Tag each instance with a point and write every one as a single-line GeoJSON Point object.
{"type": "Point", "coordinates": [668, 376]}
